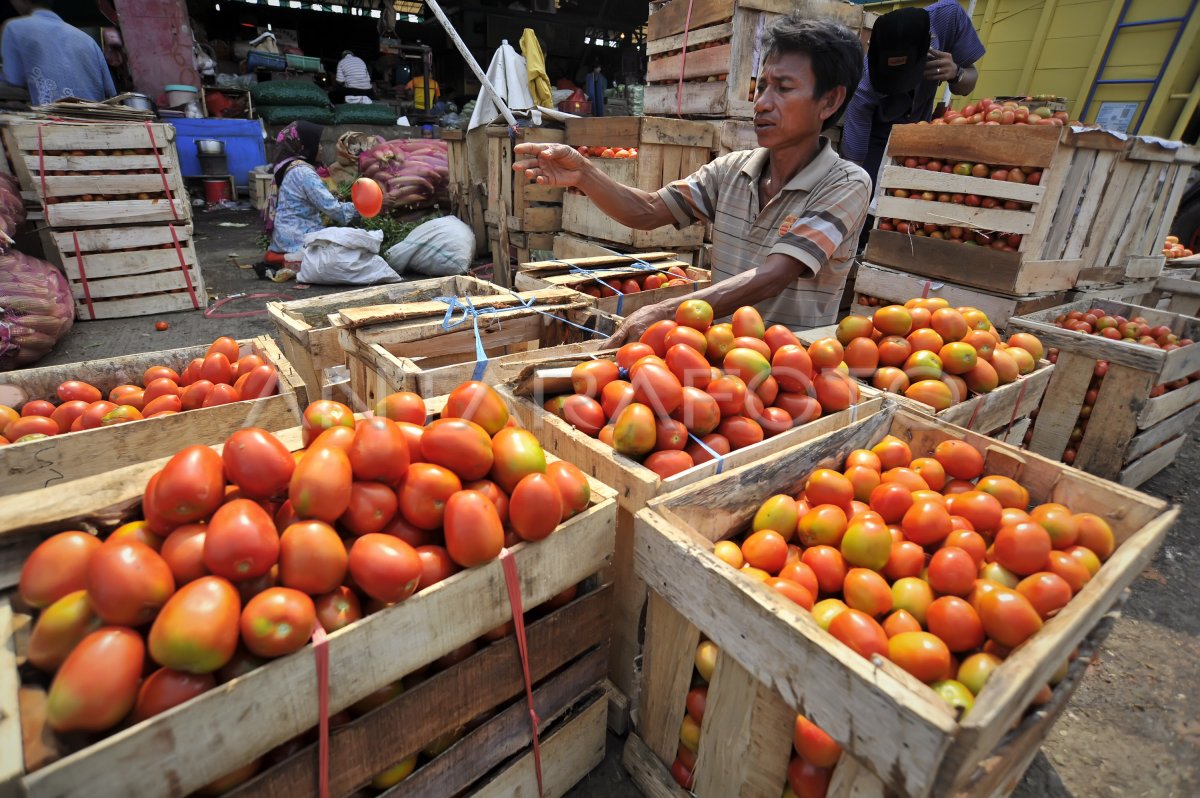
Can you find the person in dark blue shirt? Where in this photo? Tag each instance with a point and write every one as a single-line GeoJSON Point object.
{"type": "Point", "coordinates": [912, 52]}
{"type": "Point", "coordinates": [51, 58]}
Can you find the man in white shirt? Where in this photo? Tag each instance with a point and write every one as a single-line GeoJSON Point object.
{"type": "Point", "coordinates": [354, 79]}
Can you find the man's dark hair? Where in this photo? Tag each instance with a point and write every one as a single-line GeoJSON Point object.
{"type": "Point", "coordinates": [834, 50]}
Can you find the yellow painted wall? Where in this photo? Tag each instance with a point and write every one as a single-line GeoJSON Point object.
{"type": "Point", "coordinates": [1055, 47]}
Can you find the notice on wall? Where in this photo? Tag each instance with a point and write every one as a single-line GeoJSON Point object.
{"type": "Point", "coordinates": [1116, 116]}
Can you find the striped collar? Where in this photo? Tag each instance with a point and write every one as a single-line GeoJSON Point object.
{"type": "Point", "coordinates": [804, 180]}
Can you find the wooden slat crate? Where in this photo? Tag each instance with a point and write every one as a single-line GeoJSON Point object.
{"type": "Point", "coordinates": [310, 341]}
{"type": "Point", "coordinates": [180, 751]}
{"type": "Point", "coordinates": [467, 197]}
{"type": "Point", "coordinates": [568, 245]}
{"type": "Point", "coordinates": [117, 272]}
{"type": "Point", "coordinates": [408, 347]}
{"type": "Point", "coordinates": [73, 455]}
{"type": "Point", "coordinates": [637, 485]}
{"type": "Point", "coordinates": [135, 167]}
{"type": "Point", "coordinates": [995, 414]}
{"type": "Point", "coordinates": [520, 247]}
{"type": "Point", "coordinates": [555, 274]}
{"type": "Point", "coordinates": [515, 206]}
{"type": "Point", "coordinates": [668, 149]}
{"type": "Point", "coordinates": [1181, 294]}
{"type": "Point", "coordinates": [1136, 435]}
{"type": "Point", "coordinates": [877, 282]}
{"type": "Point", "coordinates": [719, 79]}
{"type": "Point", "coordinates": [1076, 170]}
{"type": "Point", "coordinates": [897, 735]}
{"type": "Point", "coordinates": [1133, 293]}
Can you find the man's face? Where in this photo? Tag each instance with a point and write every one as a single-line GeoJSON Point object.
{"type": "Point", "coordinates": [785, 111]}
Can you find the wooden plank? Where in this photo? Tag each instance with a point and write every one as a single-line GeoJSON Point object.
{"type": "Point", "coordinates": [355, 317]}
{"type": "Point", "coordinates": [709, 33]}
{"type": "Point", "coordinates": [448, 700]}
{"type": "Point", "coordinates": [537, 220]}
{"type": "Point", "coordinates": [1084, 177]}
{"type": "Point", "coordinates": [894, 176]}
{"type": "Point", "coordinates": [119, 238]}
{"type": "Point", "coordinates": [598, 262]}
{"type": "Point", "coordinates": [12, 760]}
{"type": "Point", "coordinates": [1139, 471]}
{"type": "Point", "coordinates": [1031, 146]}
{"type": "Point", "coordinates": [1167, 405]}
{"type": "Point", "coordinates": [745, 739]}
{"type": "Point", "coordinates": [109, 184]}
{"type": "Point", "coordinates": [93, 136]}
{"type": "Point", "coordinates": [1123, 393]}
{"type": "Point", "coordinates": [652, 778]}
{"type": "Point", "coordinates": [278, 702]}
{"type": "Point", "coordinates": [120, 264]}
{"type": "Point", "coordinates": [1154, 436]}
{"type": "Point", "coordinates": [991, 411]}
{"type": "Point", "coordinates": [667, 664]}
{"type": "Point", "coordinates": [698, 99]}
{"type": "Point", "coordinates": [698, 64]}
{"type": "Point", "coordinates": [136, 285]}
{"type": "Point", "coordinates": [1093, 346]}
{"type": "Point", "coordinates": [35, 164]}
{"type": "Point", "coordinates": [851, 780]}
{"type": "Point", "coordinates": [66, 214]}
{"type": "Point", "coordinates": [946, 213]}
{"type": "Point", "coordinates": [569, 753]}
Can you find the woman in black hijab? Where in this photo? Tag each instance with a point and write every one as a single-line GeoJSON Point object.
{"type": "Point", "coordinates": [304, 202]}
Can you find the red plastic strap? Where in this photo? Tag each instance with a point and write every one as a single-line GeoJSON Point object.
{"type": "Point", "coordinates": [925, 290]}
{"type": "Point", "coordinates": [42, 176]}
{"type": "Point", "coordinates": [87, 294]}
{"type": "Point", "coordinates": [166, 185]}
{"type": "Point", "coordinates": [211, 313]}
{"type": "Point", "coordinates": [321, 652]}
{"type": "Point", "coordinates": [687, 24]}
{"type": "Point", "coordinates": [513, 583]}
{"type": "Point", "coordinates": [183, 267]}
{"type": "Point", "coordinates": [1017, 405]}
{"type": "Point", "coordinates": [975, 412]}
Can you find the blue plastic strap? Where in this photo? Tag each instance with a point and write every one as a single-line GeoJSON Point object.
{"type": "Point", "coordinates": [473, 313]}
{"type": "Point", "coordinates": [719, 458]}
{"type": "Point", "coordinates": [527, 304]}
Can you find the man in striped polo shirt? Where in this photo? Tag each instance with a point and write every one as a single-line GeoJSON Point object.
{"type": "Point", "coordinates": [785, 216]}
{"type": "Point", "coordinates": [354, 79]}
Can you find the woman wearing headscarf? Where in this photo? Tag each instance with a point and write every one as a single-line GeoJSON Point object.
{"type": "Point", "coordinates": [303, 199]}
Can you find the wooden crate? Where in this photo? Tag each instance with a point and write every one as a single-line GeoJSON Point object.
{"type": "Point", "coordinates": [118, 272]}
{"type": "Point", "coordinates": [897, 735]}
{"type": "Point", "coordinates": [62, 458]}
{"type": "Point", "coordinates": [468, 198]}
{"type": "Point", "coordinates": [1077, 170]}
{"type": "Point", "coordinates": [262, 189]}
{"type": "Point", "coordinates": [568, 245]}
{"type": "Point", "coordinates": [995, 414]}
{"type": "Point", "coordinates": [1180, 294]}
{"type": "Point", "coordinates": [668, 149]}
{"type": "Point", "coordinates": [636, 485]}
{"type": "Point", "coordinates": [555, 274]}
{"type": "Point", "coordinates": [878, 282]}
{"type": "Point", "coordinates": [733, 135]}
{"type": "Point", "coordinates": [1138, 435]}
{"type": "Point", "coordinates": [520, 247]}
{"type": "Point", "coordinates": [63, 164]}
{"type": "Point", "coordinates": [719, 80]}
{"type": "Point", "coordinates": [407, 347]}
{"type": "Point", "coordinates": [311, 342]}
{"type": "Point", "coordinates": [1132, 293]}
{"type": "Point", "coordinates": [515, 206]}
{"type": "Point", "coordinates": [180, 751]}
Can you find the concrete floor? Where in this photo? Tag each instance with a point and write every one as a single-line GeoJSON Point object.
{"type": "Point", "coordinates": [1132, 728]}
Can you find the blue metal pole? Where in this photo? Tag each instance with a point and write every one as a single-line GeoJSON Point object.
{"type": "Point", "coordinates": [1112, 39]}
{"type": "Point", "coordinates": [1166, 62]}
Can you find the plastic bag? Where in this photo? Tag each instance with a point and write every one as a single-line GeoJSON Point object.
{"type": "Point", "coordinates": [439, 248]}
{"type": "Point", "coordinates": [344, 256]}
{"type": "Point", "coordinates": [362, 114]}
{"type": "Point", "coordinates": [289, 92]}
{"type": "Point", "coordinates": [286, 114]}
{"type": "Point", "coordinates": [12, 207]}
{"type": "Point", "coordinates": [36, 309]}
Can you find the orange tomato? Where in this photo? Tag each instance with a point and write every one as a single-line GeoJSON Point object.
{"type": "Point", "coordinates": [747, 322]}
{"type": "Point", "coordinates": [535, 508]}
{"type": "Point", "coordinates": [765, 549]}
{"type": "Point", "coordinates": [1022, 548]}
{"type": "Point", "coordinates": [1095, 534]}
{"type": "Point", "coordinates": [474, 533]}
{"type": "Point", "coordinates": [893, 320]}
{"type": "Point", "coordinates": [320, 485]}
{"type": "Point", "coordinates": [631, 353]}
{"type": "Point", "coordinates": [867, 591]}
{"type": "Point", "coordinates": [1008, 617]}
{"type": "Point", "coordinates": [960, 459]}
{"type": "Point", "coordinates": [741, 432]}
{"type": "Point", "coordinates": [952, 571]}
{"type": "Point", "coordinates": [826, 353]}
{"type": "Point", "coordinates": [860, 632]}
{"type": "Point", "coordinates": [824, 524]}
{"type": "Point", "coordinates": [668, 462]}
{"type": "Point", "coordinates": [478, 402]}
{"type": "Point", "coordinates": [718, 341]}
{"type": "Point", "coordinates": [905, 559]}
{"type": "Point", "coordinates": [424, 494]}
{"type": "Point", "coordinates": [694, 313]}
{"type": "Point", "coordinates": [98, 682]}
{"type": "Point", "coordinates": [835, 391]}
{"type": "Point", "coordinates": [922, 654]}
{"type": "Point", "coordinates": [892, 452]}
{"type": "Point", "coordinates": [777, 336]}
{"type": "Point", "coordinates": [1046, 591]}
{"type": "Point", "coordinates": [655, 336]}
{"type": "Point", "coordinates": [981, 509]}
{"type": "Point", "coordinates": [657, 388]}
{"type": "Point", "coordinates": [686, 336]}
{"type": "Point", "coordinates": [278, 621]}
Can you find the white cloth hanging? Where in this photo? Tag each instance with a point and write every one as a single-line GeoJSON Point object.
{"type": "Point", "coordinates": [508, 74]}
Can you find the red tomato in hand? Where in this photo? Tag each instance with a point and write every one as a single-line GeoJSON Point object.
{"type": "Point", "coordinates": [424, 493]}
{"type": "Point", "coordinates": [386, 568]}
{"type": "Point", "coordinates": [191, 485]}
{"type": "Point", "coordinates": [277, 621]}
{"type": "Point", "coordinates": [474, 534]}
{"type": "Point", "coordinates": [97, 684]}
{"type": "Point", "coordinates": [320, 485]}
{"type": "Point", "coordinates": [166, 688]}
{"type": "Point", "coordinates": [241, 543]}
{"type": "Point", "coordinates": [367, 197]}
{"type": "Point", "coordinates": [536, 507]}
{"type": "Point", "coordinates": [312, 558]}
{"type": "Point", "coordinates": [57, 566]}
{"type": "Point", "coordinates": [379, 451]}
{"type": "Point", "coordinates": [258, 463]}
{"type": "Point", "coordinates": [128, 582]}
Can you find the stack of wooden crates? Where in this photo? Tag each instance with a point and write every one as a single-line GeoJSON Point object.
{"type": "Point", "coordinates": [117, 219]}
{"type": "Point", "coordinates": [1092, 227]}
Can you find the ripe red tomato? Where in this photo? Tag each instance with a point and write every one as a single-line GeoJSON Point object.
{"type": "Point", "coordinates": [127, 583]}
{"type": "Point", "coordinates": [225, 346]}
{"type": "Point", "coordinates": [163, 386]}
{"type": "Point", "coordinates": [741, 432]}
{"type": "Point", "coordinates": [191, 485]}
{"type": "Point", "coordinates": [402, 406]}
{"type": "Point", "coordinates": [59, 628]}
{"type": "Point", "coordinates": [960, 459]}
{"type": "Point", "coordinates": [278, 621]}
{"type": "Point", "coordinates": [386, 568]}
{"type": "Point", "coordinates": [459, 445]}
{"type": "Point", "coordinates": [474, 534]}
{"type": "Point", "coordinates": [97, 684]}
{"type": "Point", "coordinates": [337, 608]}
{"type": "Point", "coordinates": [367, 197]}
{"type": "Point", "coordinates": [58, 566]}
{"type": "Point", "coordinates": [952, 571]}
{"type": "Point", "coordinates": [812, 743]}
{"type": "Point", "coordinates": [1008, 617]}
{"type": "Point", "coordinates": [166, 688]}
{"type": "Point", "coordinates": [698, 411]}
{"type": "Point", "coordinates": [536, 507]}
{"type": "Point", "coordinates": [493, 492]}
{"type": "Point", "coordinates": [807, 780]}
{"type": "Point", "coordinates": [1022, 547]}
{"type": "Point", "coordinates": [589, 377]}
{"type": "Point", "coordinates": [478, 402]}
{"type": "Point", "coordinates": [667, 463]}
{"type": "Point", "coordinates": [860, 632]}
{"type": "Point", "coordinates": [688, 365]}
{"type": "Point", "coordinates": [37, 407]}
{"type": "Point", "coordinates": [65, 414]}
{"type": "Point", "coordinates": [72, 390]}
{"type": "Point", "coordinates": [196, 394]}
{"type": "Point", "coordinates": [372, 507]}
{"type": "Point", "coordinates": [258, 382]}
{"type": "Point", "coordinates": [424, 492]}
{"type": "Point", "coordinates": [920, 653]}
{"type": "Point", "coordinates": [217, 369]}
{"type": "Point", "coordinates": [312, 558]}
{"type": "Point", "coordinates": [163, 405]}
{"type": "Point", "coordinates": [584, 414]}
{"type": "Point", "coordinates": [517, 453]}
{"type": "Point", "coordinates": [572, 486]}
{"type": "Point", "coordinates": [956, 622]}
{"type": "Point", "coordinates": [246, 364]}
{"type": "Point", "coordinates": [320, 485]}
{"type": "Point", "coordinates": [634, 431]}
{"type": "Point", "coordinates": [436, 565]}
{"type": "Point", "coordinates": [221, 394]}
{"type": "Point", "coordinates": [258, 463]}
{"type": "Point", "coordinates": [322, 415]}
{"type": "Point", "coordinates": [241, 543]}
{"type": "Point", "coordinates": [183, 552]}
{"type": "Point", "coordinates": [30, 425]}
{"type": "Point", "coordinates": [656, 387]}
{"type": "Point", "coordinates": [655, 336]}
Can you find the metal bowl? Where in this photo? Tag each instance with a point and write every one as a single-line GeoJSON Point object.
{"type": "Point", "coordinates": [139, 101]}
{"type": "Point", "coordinates": [210, 147]}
